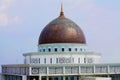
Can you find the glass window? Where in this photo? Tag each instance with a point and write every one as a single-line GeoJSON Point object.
{"type": "Point", "coordinates": [78, 60]}
{"type": "Point", "coordinates": [70, 49]}
{"type": "Point", "coordinates": [80, 49]}
{"type": "Point", "coordinates": [44, 60]}
{"type": "Point", "coordinates": [63, 49]}
{"type": "Point", "coordinates": [87, 69]}
{"type": "Point", "coordinates": [43, 50]}
{"type": "Point", "coordinates": [73, 60]}
{"type": "Point", "coordinates": [49, 49]}
{"type": "Point", "coordinates": [60, 78]}
{"type": "Point", "coordinates": [101, 69]}
{"type": "Point", "coordinates": [56, 60]}
{"type": "Point", "coordinates": [39, 50]}
{"type": "Point", "coordinates": [39, 60]}
{"type": "Point", "coordinates": [89, 60]}
{"type": "Point", "coordinates": [55, 49]}
{"type": "Point", "coordinates": [75, 49]}
{"type": "Point", "coordinates": [84, 60]}
{"type": "Point", "coordinates": [50, 60]}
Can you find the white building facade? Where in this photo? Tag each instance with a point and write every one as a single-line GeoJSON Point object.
{"type": "Point", "coordinates": [62, 55]}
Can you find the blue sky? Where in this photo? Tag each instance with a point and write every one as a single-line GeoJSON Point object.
{"type": "Point", "coordinates": [21, 22]}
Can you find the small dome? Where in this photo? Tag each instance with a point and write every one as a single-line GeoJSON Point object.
{"type": "Point", "coordinates": [61, 30]}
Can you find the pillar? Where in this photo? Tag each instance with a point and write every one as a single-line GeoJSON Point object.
{"type": "Point", "coordinates": [63, 69]}
{"type": "Point", "coordinates": [30, 71]}
{"type": "Point", "coordinates": [47, 78]}
{"type": "Point", "coordinates": [2, 77]}
{"type": "Point", "coordinates": [39, 77]}
{"type": "Point", "coordinates": [63, 77]}
{"type": "Point", "coordinates": [94, 69]}
{"type": "Point", "coordinates": [79, 77]}
{"type": "Point", "coordinates": [79, 69]}
{"type": "Point", "coordinates": [24, 77]}
{"type": "Point", "coordinates": [47, 70]}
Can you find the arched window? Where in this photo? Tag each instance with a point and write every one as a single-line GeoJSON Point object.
{"type": "Point", "coordinates": [75, 49]}
{"type": "Point", "coordinates": [78, 60]}
{"type": "Point", "coordinates": [51, 60]}
{"type": "Point", "coordinates": [84, 60]}
{"type": "Point", "coordinates": [43, 50]}
{"type": "Point", "coordinates": [45, 60]}
{"type": "Point", "coordinates": [73, 60]}
{"type": "Point", "coordinates": [70, 49]}
{"type": "Point", "coordinates": [80, 49]}
{"type": "Point", "coordinates": [39, 60]}
{"type": "Point", "coordinates": [49, 49]}
{"type": "Point", "coordinates": [56, 60]}
{"type": "Point", "coordinates": [56, 50]}
{"type": "Point", "coordinates": [63, 49]}
{"type": "Point", "coordinates": [39, 50]}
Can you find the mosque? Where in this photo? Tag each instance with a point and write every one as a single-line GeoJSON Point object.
{"type": "Point", "coordinates": [61, 55]}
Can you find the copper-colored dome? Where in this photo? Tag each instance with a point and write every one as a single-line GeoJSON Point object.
{"type": "Point", "coordinates": [62, 30]}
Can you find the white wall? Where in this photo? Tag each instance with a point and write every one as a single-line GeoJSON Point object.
{"type": "Point", "coordinates": [39, 59]}
{"type": "Point", "coordinates": [59, 47]}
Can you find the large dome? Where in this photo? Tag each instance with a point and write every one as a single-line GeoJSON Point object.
{"type": "Point", "coordinates": [62, 30]}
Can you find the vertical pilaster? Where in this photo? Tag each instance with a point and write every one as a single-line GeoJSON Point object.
{"type": "Point", "coordinates": [30, 70]}
{"type": "Point", "coordinates": [2, 77]}
{"type": "Point", "coordinates": [47, 78]}
{"type": "Point", "coordinates": [63, 77]}
{"type": "Point", "coordinates": [24, 77]}
{"type": "Point", "coordinates": [47, 70]}
{"type": "Point", "coordinates": [40, 78]}
{"type": "Point", "coordinates": [79, 78]}
{"type": "Point", "coordinates": [94, 69]}
{"type": "Point", "coordinates": [79, 69]}
{"type": "Point", "coordinates": [63, 69]}
{"type": "Point", "coordinates": [108, 70]}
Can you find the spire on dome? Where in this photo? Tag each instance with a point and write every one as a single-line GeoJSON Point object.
{"type": "Point", "coordinates": [61, 13]}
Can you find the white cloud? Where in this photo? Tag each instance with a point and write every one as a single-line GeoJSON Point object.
{"type": "Point", "coordinates": [16, 20]}
{"type": "Point", "coordinates": [6, 18]}
{"type": "Point", "coordinates": [3, 19]}
{"type": "Point", "coordinates": [4, 4]}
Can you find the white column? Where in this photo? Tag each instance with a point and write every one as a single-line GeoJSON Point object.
{"type": "Point", "coordinates": [47, 78]}
{"type": "Point", "coordinates": [2, 77]}
{"type": "Point", "coordinates": [30, 70]}
{"type": "Point", "coordinates": [63, 77]}
{"type": "Point", "coordinates": [47, 70]}
{"type": "Point", "coordinates": [79, 77]}
{"type": "Point", "coordinates": [63, 69]}
{"type": "Point", "coordinates": [108, 69]}
{"type": "Point", "coordinates": [79, 69]}
{"type": "Point", "coordinates": [24, 77]}
{"type": "Point", "coordinates": [94, 69]}
{"type": "Point", "coordinates": [39, 77]}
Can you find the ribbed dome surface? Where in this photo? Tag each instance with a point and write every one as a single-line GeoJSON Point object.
{"type": "Point", "coordinates": [61, 30]}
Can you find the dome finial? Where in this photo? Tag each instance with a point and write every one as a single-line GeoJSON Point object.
{"type": "Point", "coordinates": [61, 13]}
{"type": "Point", "coordinates": [61, 7]}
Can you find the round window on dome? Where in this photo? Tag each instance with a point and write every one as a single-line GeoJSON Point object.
{"type": "Point", "coordinates": [49, 49]}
